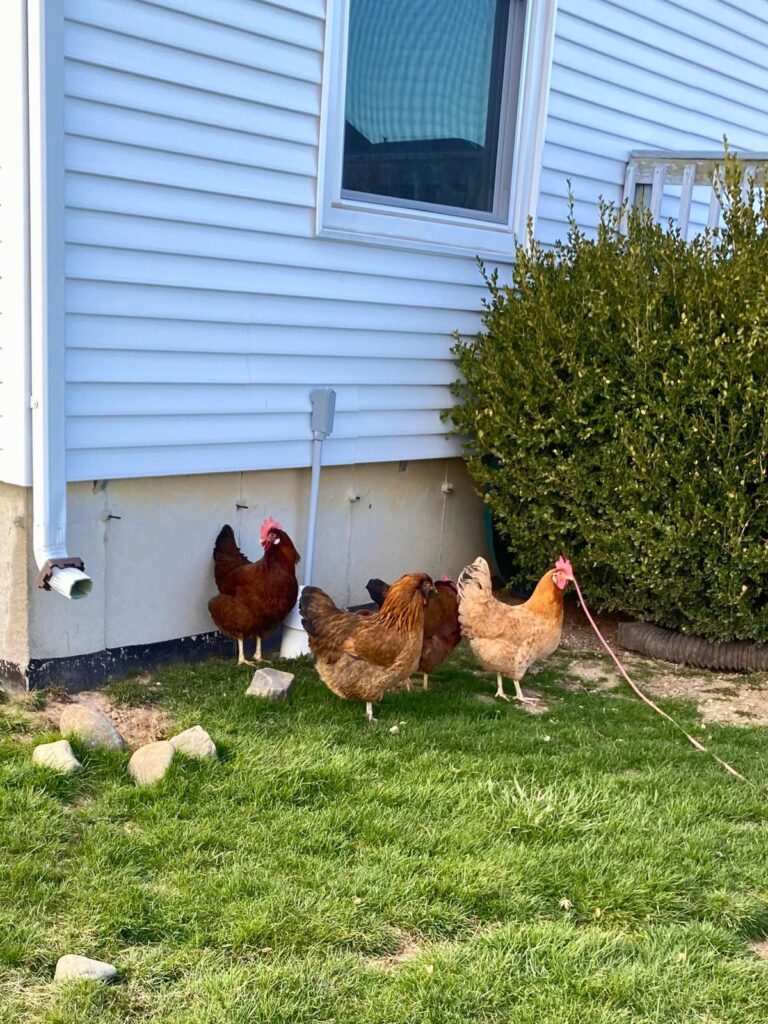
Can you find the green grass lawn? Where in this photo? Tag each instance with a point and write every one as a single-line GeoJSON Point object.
{"type": "Point", "coordinates": [585, 865]}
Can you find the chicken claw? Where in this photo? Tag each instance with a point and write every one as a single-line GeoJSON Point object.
{"type": "Point", "coordinates": [519, 695]}
{"type": "Point", "coordinates": [257, 661]}
{"type": "Point", "coordinates": [369, 713]}
{"type": "Point", "coordinates": [500, 688]}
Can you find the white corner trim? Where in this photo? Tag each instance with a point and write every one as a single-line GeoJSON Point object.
{"type": "Point", "coordinates": [15, 458]}
{"type": "Point", "coordinates": [45, 41]}
{"type": "Point", "coordinates": [397, 227]}
{"type": "Point", "coordinates": [536, 76]}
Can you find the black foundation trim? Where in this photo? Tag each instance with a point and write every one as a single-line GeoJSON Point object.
{"type": "Point", "coordinates": [89, 671]}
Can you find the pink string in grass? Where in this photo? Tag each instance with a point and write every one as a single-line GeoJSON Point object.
{"type": "Point", "coordinates": [642, 696]}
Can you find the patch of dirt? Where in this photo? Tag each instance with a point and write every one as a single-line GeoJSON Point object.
{"type": "Point", "coordinates": [716, 697]}
{"type": "Point", "coordinates": [760, 949]}
{"type": "Point", "coordinates": [732, 698]}
{"type": "Point", "coordinates": [137, 725]}
{"type": "Point", "coordinates": [406, 950]}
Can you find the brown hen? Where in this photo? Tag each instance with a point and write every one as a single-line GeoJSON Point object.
{"type": "Point", "coordinates": [442, 631]}
{"type": "Point", "coordinates": [360, 657]}
{"type": "Point", "coordinates": [254, 597]}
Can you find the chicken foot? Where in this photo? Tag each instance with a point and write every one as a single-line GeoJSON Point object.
{"type": "Point", "coordinates": [519, 695]}
{"type": "Point", "coordinates": [241, 658]}
{"type": "Point", "coordinates": [369, 713]}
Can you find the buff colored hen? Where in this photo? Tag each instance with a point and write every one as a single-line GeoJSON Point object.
{"type": "Point", "coordinates": [507, 639]}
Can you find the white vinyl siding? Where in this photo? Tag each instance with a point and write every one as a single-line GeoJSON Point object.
{"type": "Point", "coordinates": [648, 74]}
{"type": "Point", "coordinates": [201, 308]}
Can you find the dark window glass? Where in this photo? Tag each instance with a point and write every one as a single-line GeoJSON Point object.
{"type": "Point", "coordinates": [423, 101]}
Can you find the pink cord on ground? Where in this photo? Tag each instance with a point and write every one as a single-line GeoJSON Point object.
{"type": "Point", "coordinates": [648, 701]}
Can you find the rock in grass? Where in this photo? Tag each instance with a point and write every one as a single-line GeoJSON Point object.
{"type": "Point", "coordinates": [270, 684]}
{"type": "Point", "coordinates": [90, 727]}
{"type": "Point", "coordinates": [58, 756]}
{"type": "Point", "coordinates": [195, 742]}
{"type": "Point", "coordinates": [81, 968]}
{"type": "Point", "coordinates": [150, 762]}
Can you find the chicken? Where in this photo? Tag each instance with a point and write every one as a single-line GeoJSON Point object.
{"type": "Point", "coordinates": [506, 639]}
{"type": "Point", "coordinates": [441, 624]}
{"type": "Point", "coordinates": [254, 597]}
{"type": "Point", "coordinates": [360, 657]}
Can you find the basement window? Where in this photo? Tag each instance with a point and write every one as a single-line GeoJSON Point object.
{"type": "Point", "coordinates": [420, 115]}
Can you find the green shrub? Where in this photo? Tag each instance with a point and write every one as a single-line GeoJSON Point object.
{"type": "Point", "coordinates": [619, 385]}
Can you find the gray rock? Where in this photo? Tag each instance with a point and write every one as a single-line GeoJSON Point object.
{"type": "Point", "coordinates": [271, 684]}
{"type": "Point", "coordinates": [195, 742]}
{"type": "Point", "coordinates": [90, 727]}
{"type": "Point", "coordinates": [150, 762]}
{"type": "Point", "coordinates": [80, 968]}
{"type": "Point", "coordinates": [59, 756]}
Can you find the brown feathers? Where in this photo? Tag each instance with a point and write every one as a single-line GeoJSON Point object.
{"type": "Point", "coordinates": [254, 597]}
{"type": "Point", "coordinates": [361, 657]}
{"type": "Point", "coordinates": [442, 631]}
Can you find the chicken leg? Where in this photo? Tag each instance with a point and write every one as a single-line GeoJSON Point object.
{"type": "Point", "coordinates": [369, 712]}
{"type": "Point", "coordinates": [425, 680]}
{"type": "Point", "coordinates": [519, 695]}
{"type": "Point", "coordinates": [241, 658]}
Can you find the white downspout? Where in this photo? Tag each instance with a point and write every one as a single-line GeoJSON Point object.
{"type": "Point", "coordinates": [295, 642]}
{"type": "Point", "coordinates": [45, 65]}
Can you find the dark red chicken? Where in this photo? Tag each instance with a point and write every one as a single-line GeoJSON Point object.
{"type": "Point", "coordinates": [441, 624]}
{"type": "Point", "coordinates": [254, 597]}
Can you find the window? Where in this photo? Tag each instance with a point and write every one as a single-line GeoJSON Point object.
{"type": "Point", "coordinates": [423, 102]}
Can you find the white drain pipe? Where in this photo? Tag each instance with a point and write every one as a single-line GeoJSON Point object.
{"type": "Point", "coordinates": [295, 641]}
{"type": "Point", "coordinates": [59, 571]}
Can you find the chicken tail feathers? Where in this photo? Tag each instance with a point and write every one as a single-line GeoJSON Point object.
{"type": "Point", "coordinates": [476, 576]}
{"type": "Point", "coordinates": [314, 607]}
{"type": "Point", "coordinates": [475, 596]}
{"type": "Point", "coordinates": [377, 590]}
{"type": "Point", "coordinates": [227, 556]}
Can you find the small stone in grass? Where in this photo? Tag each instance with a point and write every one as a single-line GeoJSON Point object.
{"type": "Point", "coordinates": [81, 968]}
{"type": "Point", "coordinates": [150, 762]}
{"type": "Point", "coordinates": [395, 730]}
{"type": "Point", "coordinates": [194, 742]}
{"type": "Point", "coordinates": [58, 756]}
{"type": "Point", "coordinates": [90, 727]}
{"type": "Point", "coordinates": [270, 684]}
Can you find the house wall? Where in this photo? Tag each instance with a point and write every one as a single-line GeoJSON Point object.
{"type": "Point", "coordinates": [648, 74]}
{"type": "Point", "coordinates": [201, 308]}
{"type": "Point", "coordinates": [147, 543]}
{"type": "Point", "coordinates": [14, 349]}
{"type": "Point", "coordinates": [14, 593]}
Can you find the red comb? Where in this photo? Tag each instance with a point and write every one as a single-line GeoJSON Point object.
{"type": "Point", "coordinates": [563, 565]}
{"type": "Point", "coordinates": [267, 525]}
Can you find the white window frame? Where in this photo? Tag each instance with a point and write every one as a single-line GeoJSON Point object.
{"type": "Point", "coordinates": [405, 226]}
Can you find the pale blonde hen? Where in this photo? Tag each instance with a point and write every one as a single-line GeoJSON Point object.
{"type": "Point", "coordinates": [505, 638]}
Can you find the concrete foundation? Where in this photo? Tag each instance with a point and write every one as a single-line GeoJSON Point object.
{"type": "Point", "coordinates": [147, 546]}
